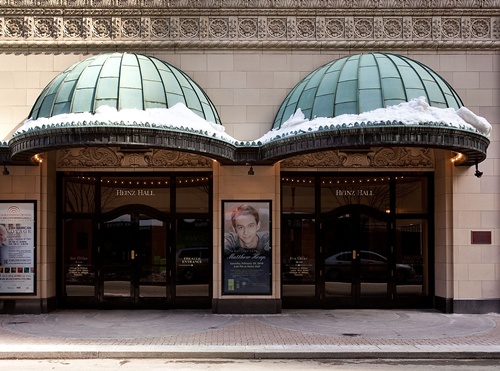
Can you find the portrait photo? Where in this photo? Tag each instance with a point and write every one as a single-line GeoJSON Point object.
{"type": "Point", "coordinates": [247, 247]}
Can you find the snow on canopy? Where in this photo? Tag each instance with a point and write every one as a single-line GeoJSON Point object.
{"type": "Point", "coordinates": [180, 118]}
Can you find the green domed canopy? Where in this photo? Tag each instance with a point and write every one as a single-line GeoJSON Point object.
{"type": "Point", "coordinates": [68, 113]}
{"type": "Point", "coordinates": [122, 81]}
{"type": "Point", "coordinates": [364, 82]}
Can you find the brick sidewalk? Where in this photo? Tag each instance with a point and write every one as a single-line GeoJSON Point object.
{"type": "Point", "coordinates": [301, 334]}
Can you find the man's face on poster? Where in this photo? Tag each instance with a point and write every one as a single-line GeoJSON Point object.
{"type": "Point", "coordinates": [246, 227]}
{"type": "Point", "coordinates": [3, 235]}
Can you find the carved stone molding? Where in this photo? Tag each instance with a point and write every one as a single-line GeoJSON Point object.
{"type": "Point", "coordinates": [220, 24]}
{"type": "Point", "coordinates": [162, 158]}
{"type": "Point", "coordinates": [316, 159]}
{"type": "Point", "coordinates": [402, 157]}
{"type": "Point", "coordinates": [88, 157]}
{"type": "Point", "coordinates": [249, 4]}
{"type": "Point", "coordinates": [373, 158]}
{"type": "Point", "coordinates": [114, 157]}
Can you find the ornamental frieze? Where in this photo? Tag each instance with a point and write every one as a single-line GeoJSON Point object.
{"type": "Point", "coordinates": [251, 4]}
{"type": "Point", "coordinates": [86, 157]}
{"type": "Point", "coordinates": [372, 158]}
{"type": "Point", "coordinates": [100, 157]}
{"type": "Point", "coordinates": [76, 24]}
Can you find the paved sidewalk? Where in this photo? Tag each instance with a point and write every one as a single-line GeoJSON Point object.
{"type": "Point", "coordinates": [292, 334]}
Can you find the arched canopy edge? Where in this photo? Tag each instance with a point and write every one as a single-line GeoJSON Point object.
{"type": "Point", "coordinates": [470, 144]}
{"type": "Point", "coordinates": [24, 146]}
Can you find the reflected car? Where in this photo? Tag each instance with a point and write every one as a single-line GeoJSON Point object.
{"type": "Point", "coordinates": [373, 267]}
{"type": "Point", "coordinates": [193, 265]}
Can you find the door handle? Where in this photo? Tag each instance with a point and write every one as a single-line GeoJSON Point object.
{"type": "Point", "coordinates": [132, 254]}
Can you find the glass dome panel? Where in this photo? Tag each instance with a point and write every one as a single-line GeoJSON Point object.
{"type": "Point", "coordinates": [364, 82]}
{"type": "Point", "coordinates": [122, 80]}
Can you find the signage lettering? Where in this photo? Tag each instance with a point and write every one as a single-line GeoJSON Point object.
{"type": "Point", "coordinates": [354, 192]}
{"type": "Point", "coordinates": [135, 192]}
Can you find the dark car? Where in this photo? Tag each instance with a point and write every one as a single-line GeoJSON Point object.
{"type": "Point", "coordinates": [193, 265]}
{"type": "Point", "coordinates": [373, 267]}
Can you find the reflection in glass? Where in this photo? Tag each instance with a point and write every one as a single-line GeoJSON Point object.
{"type": "Point", "coordinates": [119, 191]}
{"type": "Point", "coordinates": [374, 271]}
{"type": "Point", "coordinates": [193, 264]}
{"type": "Point", "coordinates": [152, 261]}
{"type": "Point", "coordinates": [192, 194]}
{"type": "Point", "coordinates": [298, 257]}
{"type": "Point", "coordinates": [117, 253]}
{"type": "Point", "coordinates": [124, 249]}
{"type": "Point", "coordinates": [338, 236]}
{"type": "Point", "coordinates": [297, 195]}
{"type": "Point", "coordinates": [372, 191]}
{"type": "Point", "coordinates": [356, 251]}
{"type": "Point", "coordinates": [411, 194]}
{"type": "Point", "coordinates": [79, 194]}
{"type": "Point", "coordinates": [78, 267]}
{"type": "Point", "coordinates": [412, 252]}
{"type": "Point", "coordinates": [371, 252]}
{"type": "Point", "coordinates": [133, 248]}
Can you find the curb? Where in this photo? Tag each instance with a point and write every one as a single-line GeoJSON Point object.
{"type": "Point", "coordinates": [262, 354]}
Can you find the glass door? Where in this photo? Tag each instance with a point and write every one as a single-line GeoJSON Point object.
{"type": "Point", "coordinates": [374, 262]}
{"type": "Point", "coordinates": [133, 258]}
{"type": "Point", "coordinates": [140, 240]}
{"type": "Point", "coordinates": [193, 263]}
{"type": "Point", "coordinates": [357, 268]}
{"type": "Point", "coordinates": [339, 241]}
{"type": "Point", "coordinates": [356, 240]}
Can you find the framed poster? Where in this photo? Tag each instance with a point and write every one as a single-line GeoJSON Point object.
{"type": "Point", "coordinates": [246, 247]}
{"type": "Point", "coordinates": [17, 247]}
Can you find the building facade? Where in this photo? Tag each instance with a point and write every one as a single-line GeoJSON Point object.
{"type": "Point", "coordinates": [141, 212]}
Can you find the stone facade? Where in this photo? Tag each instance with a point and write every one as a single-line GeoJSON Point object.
{"type": "Point", "coordinates": [247, 55]}
{"type": "Point", "coordinates": [167, 25]}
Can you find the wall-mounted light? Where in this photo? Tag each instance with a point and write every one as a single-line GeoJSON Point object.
{"type": "Point", "coordinates": [250, 171]}
{"type": "Point", "coordinates": [478, 173]}
{"type": "Point", "coordinates": [458, 158]}
{"type": "Point", "coordinates": [5, 170]}
{"type": "Point", "coordinates": [38, 158]}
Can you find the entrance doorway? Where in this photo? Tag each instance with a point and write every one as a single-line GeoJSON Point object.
{"type": "Point", "coordinates": [356, 260]}
{"type": "Point", "coordinates": [132, 253]}
{"type": "Point", "coordinates": [135, 240]}
{"type": "Point", "coordinates": [356, 241]}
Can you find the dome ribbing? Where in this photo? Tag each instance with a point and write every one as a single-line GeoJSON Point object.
{"type": "Point", "coordinates": [364, 82]}
{"type": "Point", "coordinates": [122, 81]}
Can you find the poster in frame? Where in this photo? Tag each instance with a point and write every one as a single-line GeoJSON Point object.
{"type": "Point", "coordinates": [17, 247]}
{"type": "Point", "coordinates": [246, 247]}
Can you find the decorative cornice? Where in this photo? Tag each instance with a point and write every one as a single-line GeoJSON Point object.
{"type": "Point", "coordinates": [80, 25]}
